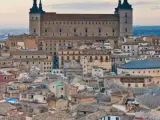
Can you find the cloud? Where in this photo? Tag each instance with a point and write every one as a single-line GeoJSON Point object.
{"type": "Point", "coordinates": [83, 6]}
{"type": "Point", "coordinates": [153, 5]}
{"type": "Point", "coordinates": [156, 8]}
{"type": "Point", "coordinates": [141, 3]}
{"type": "Point", "coordinates": [101, 5]}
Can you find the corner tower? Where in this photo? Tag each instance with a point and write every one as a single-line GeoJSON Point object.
{"type": "Point", "coordinates": [125, 12]}
{"type": "Point", "coordinates": [35, 18]}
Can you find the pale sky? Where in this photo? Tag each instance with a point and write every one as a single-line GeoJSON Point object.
{"type": "Point", "coordinates": [14, 13]}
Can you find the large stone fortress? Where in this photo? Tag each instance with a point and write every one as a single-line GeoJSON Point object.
{"type": "Point", "coordinates": [52, 24]}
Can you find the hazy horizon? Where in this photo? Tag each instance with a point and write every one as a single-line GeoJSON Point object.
{"type": "Point", "coordinates": [15, 13]}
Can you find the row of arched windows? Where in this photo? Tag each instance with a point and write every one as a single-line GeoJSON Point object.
{"type": "Point", "coordinates": [91, 59]}
{"type": "Point", "coordinates": [101, 59]}
{"type": "Point", "coordinates": [71, 58]}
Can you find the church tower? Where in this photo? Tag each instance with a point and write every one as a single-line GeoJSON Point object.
{"type": "Point", "coordinates": [35, 18]}
{"type": "Point", "coordinates": [125, 12]}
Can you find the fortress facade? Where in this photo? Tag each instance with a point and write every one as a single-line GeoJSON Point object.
{"type": "Point", "coordinates": [52, 24]}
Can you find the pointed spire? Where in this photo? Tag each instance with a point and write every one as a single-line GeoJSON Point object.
{"type": "Point", "coordinates": [40, 4]}
{"type": "Point", "coordinates": [119, 6]}
{"type": "Point", "coordinates": [126, 5]}
{"type": "Point", "coordinates": [41, 7]}
{"type": "Point", "coordinates": [34, 8]}
{"type": "Point", "coordinates": [126, 1]}
{"type": "Point", "coordinates": [119, 3]}
{"type": "Point", "coordinates": [35, 4]}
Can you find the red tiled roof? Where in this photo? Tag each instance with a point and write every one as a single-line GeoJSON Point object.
{"type": "Point", "coordinates": [139, 118]}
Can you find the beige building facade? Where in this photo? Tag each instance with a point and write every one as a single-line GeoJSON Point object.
{"type": "Point", "coordinates": [29, 58]}
{"type": "Point", "coordinates": [52, 24]}
{"type": "Point", "coordinates": [136, 81]}
{"type": "Point", "coordinates": [155, 73]}
{"type": "Point", "coordinates": [96, 58]}
{"type": "Point", "coordinates": [5, 61]}
{"type": "Point", "coordinates": [87, 57]}
{"type": "Point", "coordinates": [53, 44]}
{"type": "Point", "coordinates": [21, 42]}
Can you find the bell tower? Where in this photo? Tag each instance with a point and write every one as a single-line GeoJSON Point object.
{"type": "Point", "coordinates": [35, 18]}
{"type": "Point", "coordinates": [125, 12]}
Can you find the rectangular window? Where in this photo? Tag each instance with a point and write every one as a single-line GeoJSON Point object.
{"type": "Point", "coordinates": [109, 118]}
{"type": "Point", "coordinates": [117, 118]}
{"type": "Point", "coordinates": [126, 21]}
{"type": "Point", "coordinates": [129, 85]}
{"type": "Point", "coordinates": [34, 30]}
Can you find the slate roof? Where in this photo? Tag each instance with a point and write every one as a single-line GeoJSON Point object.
{"type": "Point", "coordinates": [5, 108]}
{"type": "Point", "coordinates": [61, 17]}
{"type": "Point", "coordinates": [103, 97]}
{"type": "Point", "coordinates": [84, 95]}
{"type": "Point", "coordinates": [141, 64]}
{"type": "Point", "coordinates": [72, 64]}
{"type": "Point", "coordinates": [14, 118]}
{"type": "Point", "coordinates": [87, 108]}
{"type": "Point", "coordinates": [53, 116]}
{"type": "Point", "coordinates": [126, 5]}
{"type": "Point", "coordinates": [151, 101]}
{"type": "Point", "coordinates": [94, 116]}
